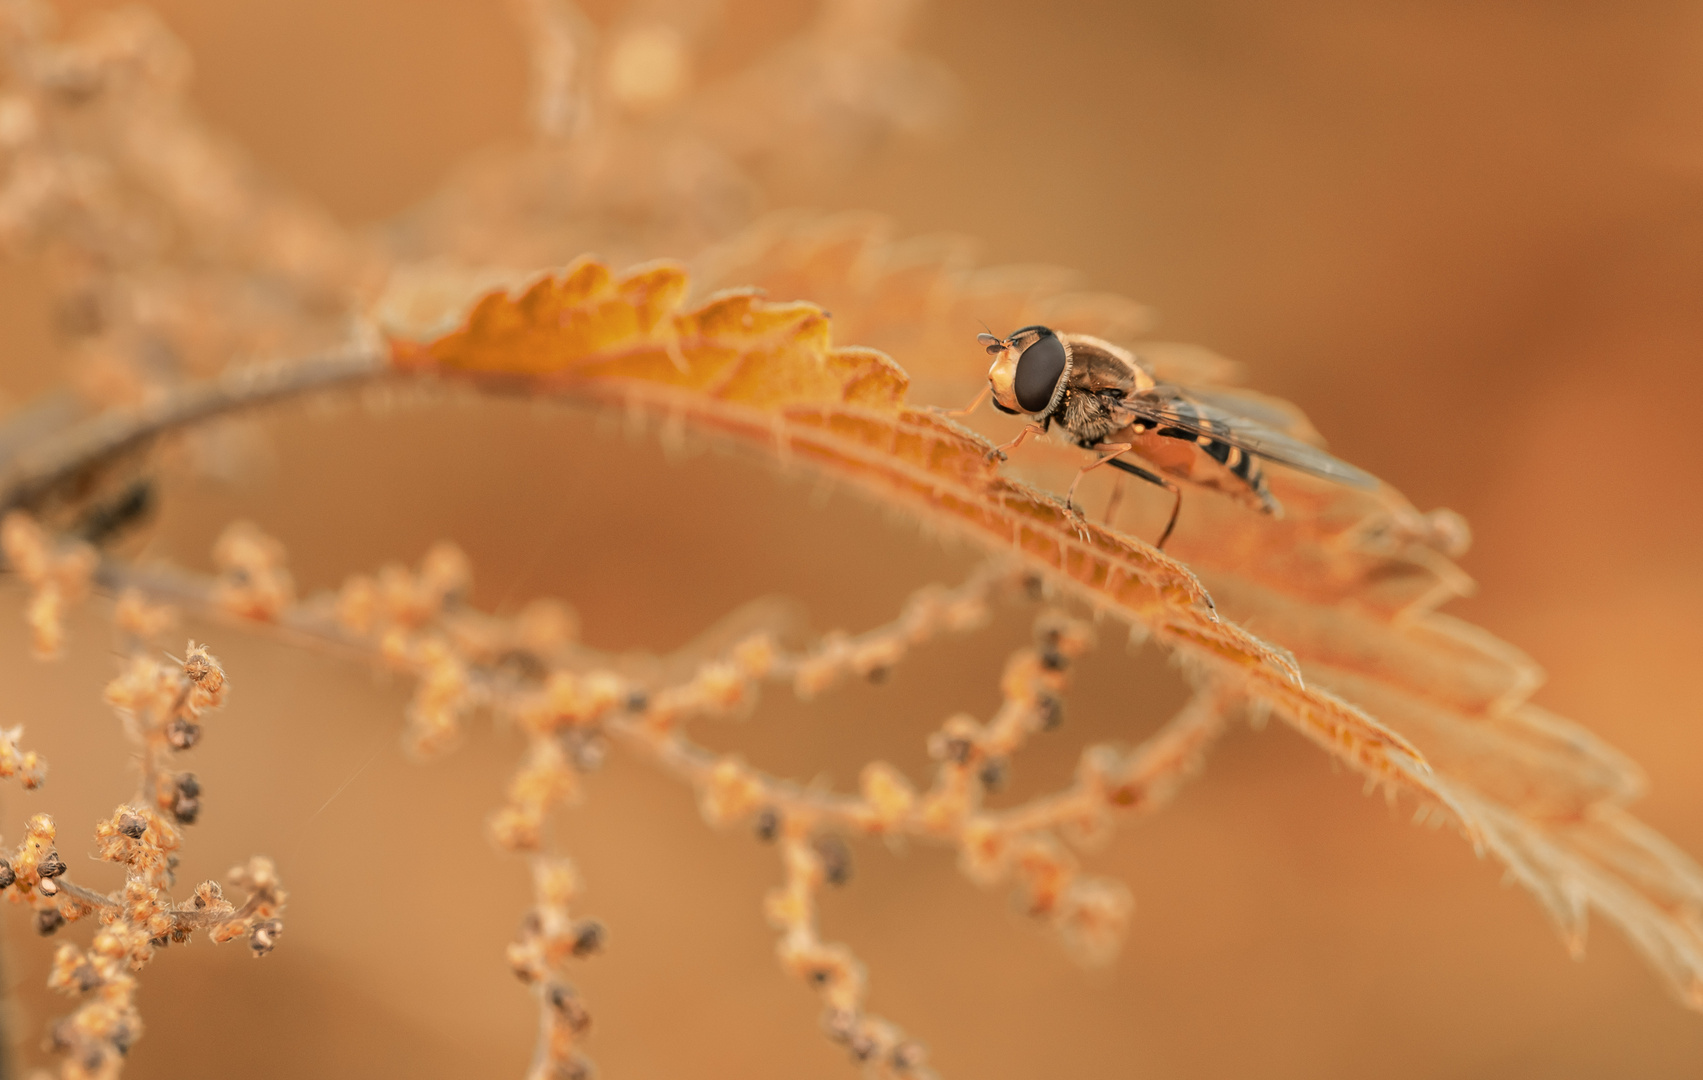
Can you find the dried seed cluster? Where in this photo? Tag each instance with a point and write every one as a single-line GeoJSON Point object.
{"type": "Point", "coordinates": [253, 581]}
{"type": "Point", "coordinates": [27, 765]}
{"type": "Point", "coordinates": [160, 705]}
{"type": "Point", "coordinates": [572, 707]}
{"type": "Point", "coordinates": [56, 571]}
{"type": "Point", "coordinates": [550, 937]}
{"type": "Point", "coordinates": [141, 621]}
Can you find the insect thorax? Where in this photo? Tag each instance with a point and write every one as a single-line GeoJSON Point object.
{"type": "Point", "coordinates": [1089, 416]}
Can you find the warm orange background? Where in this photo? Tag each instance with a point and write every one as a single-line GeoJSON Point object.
{"type": "Point", "coordinates": [1469, 241]}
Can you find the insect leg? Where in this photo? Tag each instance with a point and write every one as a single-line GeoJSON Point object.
{"type": "Point", "coordinates": [1112, 450]}
{"type": "Point", "coordinates": [1114, 503]}
{"type": "Point", "coordinates": [998, 452]}
{"type": "Point", "coordinates": [1154, 478]}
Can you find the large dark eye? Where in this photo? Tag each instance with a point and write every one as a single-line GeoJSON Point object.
{"type": "Point", "coordinates": [1038, 372]}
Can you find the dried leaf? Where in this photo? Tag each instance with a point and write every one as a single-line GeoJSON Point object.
{"type": "Point", "coordinates": [766, 374]}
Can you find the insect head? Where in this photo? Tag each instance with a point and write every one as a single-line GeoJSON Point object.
{"type": "Point", "coordinates": [1029, 371]}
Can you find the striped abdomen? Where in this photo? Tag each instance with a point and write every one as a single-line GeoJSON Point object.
{"type": "Point", "coordinates": [1245, 467]}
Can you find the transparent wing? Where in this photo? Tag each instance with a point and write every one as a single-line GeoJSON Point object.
{"type": "Point", "coordinates": [1168, 407]}
{"type": "Point", "coordinates": [1268, 412]}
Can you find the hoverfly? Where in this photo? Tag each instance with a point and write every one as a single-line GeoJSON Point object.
{"type": "Point", "coordinates": [1109, 402]}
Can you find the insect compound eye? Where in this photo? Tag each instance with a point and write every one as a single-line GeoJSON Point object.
{"type": "Point", "coordinates": [1038, 372]}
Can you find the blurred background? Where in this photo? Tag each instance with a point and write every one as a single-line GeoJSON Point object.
{"type": "Point", "coordinates": [1468, 241]}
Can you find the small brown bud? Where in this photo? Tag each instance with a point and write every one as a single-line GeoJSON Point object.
{"type": "Point", "coordinates": [909, 1055]}
{"type": "Point", "coordinates": [836, 859]}
{"type": "Point", "coordinates": [767, 826]}
{"type": "Point", "coordinates": [862, 1046]}
{"type": "Point", "coordinates": [586, 749]}
{"type": "Point", "coordinates": [7, 874]}
{"type": "Point", "coordinates": [577, 1067]}
{"type": "Point", "coordinates": [952, 748]}
{"type": "Point", "coordinates": [562, 998]}
{"type": "Point", "coordinates": [186, 799]}
{"type": "Point", "coordinates": [87, 977]}
{"type": "Point", "coordinates": [51, 865]}
{"type": "Point", "coordinates": [590, 937]}
{"type": "Point", "coordinates": [993, 773]}
{"type": "Point", "coordinates": [524, 664]}
{"type": "Point", "coordinates": [1051, 711]}
{"type": "Point", "coordinates": [183, 734]}
{"type": "Point", "coordinates": [839, 1024]}
{"type": "Point", "coordinates": [264, 937]}
{"type": "Point", "coordinates": [201, 668]}
{"type": "Point", "coordinates": [47, 920]}
{"type": "Point", "coordinates": [132, 825]}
